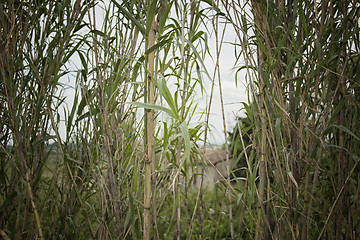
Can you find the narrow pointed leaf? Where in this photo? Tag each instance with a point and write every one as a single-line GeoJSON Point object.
{"type": "Point", "coordinates": [153, 107]}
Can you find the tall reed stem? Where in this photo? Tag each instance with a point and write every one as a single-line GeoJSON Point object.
{"type": "Point", "coordinates": [150, 132]}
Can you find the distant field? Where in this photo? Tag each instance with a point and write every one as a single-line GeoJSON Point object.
{"type": "Point", "coordinates": [50, 165]}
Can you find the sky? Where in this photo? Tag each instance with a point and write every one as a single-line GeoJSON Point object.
{"type": "Point", "coordinates": [233, 90]}
{"type": "Point", "coordinates": [233, 94]}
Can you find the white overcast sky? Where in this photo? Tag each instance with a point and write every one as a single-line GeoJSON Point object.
{"type": "Point", "coordinates": [233, 94]}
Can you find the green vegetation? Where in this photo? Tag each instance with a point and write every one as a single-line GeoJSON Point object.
{"type": "Point", "coordinates": [120, 160]}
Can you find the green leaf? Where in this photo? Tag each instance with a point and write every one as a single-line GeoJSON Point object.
{"type": "Point", "coordinates": [44, 139]}
{"type": "Point", "coordinates": [153, 107]}
{"type": "Point", "coordinates": [185, 135]}
{"type": "Point", "coordinates": [83, 62]}
{"type": "Point", "coordinates": [130, 17]}
{"type": "Point", "coordinates": [70, 53]}
{"type": "Point", "coordinates": [166, 136]}
{"type": "Point", "coordinates": [86, 98]}
{"type": "Point", "coordinates": [337, 109]}
{"type": "Point", "coordinates": [278, 133]}
{"type": "Point", "coordinates": [135, 185]}
{"type": "Point", "coordinates": [129, 213]}
{"type": "Point", "coordinates": [343, 128]}
{"type": "Point", "coordinates": [156, 46]}
{"type": "Point", "coordinates": [8, 201]}
{"type": "Point", "coordinates": [213, 5]}
{"type": "Point", "coordinates": [197, 35]}
{"type": "Point", "coordinates": [98, 32]}
{"type": "Point", "coordinates": [94, 112]}
{"type": "Point", "coordinates": [71, 116]}
{"type": "Point", "coordinates": [138, 64]}
{"type": "Point", "coordinates": [150, 16]}
{"type": "Point", "coordinates": [164, 16]}
{"type": "Point", "coordinates": [198, 57]}
{"type": "Point", "coordinates": [248, 111]}
{"type": "Point", "coordinates": [239, 198]}
{"type": "Point", "coordinates": [165, 92]}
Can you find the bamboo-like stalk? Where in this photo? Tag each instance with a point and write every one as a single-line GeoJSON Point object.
{"type": "Point", "coordinates": [262, 173]}
{"type": "Point", "coordinates": [21, 153]}
{"type": "Point", "coordinates": [295, 163]}
{"type": "Point", "coordinates": [341, 156]}
{"type": "Point", "coordinates": [150, 131]}
{"type": "Point", "coordinates": [185, 59]}
{"type": "Point", "coordinates": [104, 117]}
{"type": "Point", "coordinates": [13, 41]}
{"type": "Point", "coordinates": [27, 179]}
{"type": "Point", "coordinates": [28, 93]}
{"type": "Point", "coordinates": [262, 160]}
{"type": "Point", "coordinates": [300, 107]}
{"type": "Point", "coordinates": [228, 163]}
{"type": "Point", "coordinates": [206, 129]}
{"type": "Point", "coordinates": [177, 186]}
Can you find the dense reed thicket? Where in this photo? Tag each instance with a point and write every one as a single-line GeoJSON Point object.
{"type": "Point", "coordinates": [302, 59]}
{"type": "Point", "coordinates": [119, 161]}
